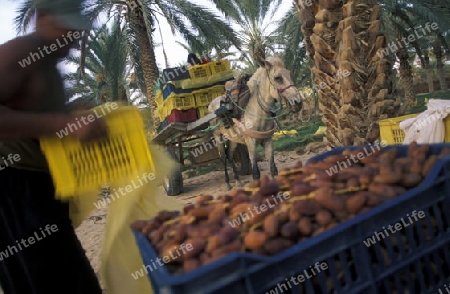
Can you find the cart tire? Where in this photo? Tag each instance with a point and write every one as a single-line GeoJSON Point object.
{"type": "Point", "coordinates": [173, 183]}
{"type": "Point", "coordinates": [242, 160]}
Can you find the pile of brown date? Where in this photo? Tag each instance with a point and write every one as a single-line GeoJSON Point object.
{"type": "Point", "coordinates": [314, 201]}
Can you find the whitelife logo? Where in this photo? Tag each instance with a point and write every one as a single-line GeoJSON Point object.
{"type": "Point", "coordinates": [90, 118]}
{"type": "Point", "coordinates": [345, 164]}
{"type": "Point", "coordinates": [166, 259]}
{"type": "Point", "coordinates": [243, 216]}
{"type": "Point", "coordinates": [31, 240]}
{"type": "Point", "coordinates": [114, 195]}
{"type": "Point", "coordinates": [393, 229]}
{"type": "Point", "coordinates": [9, 160]}
{"type": "Point", "coordinates": [395, 45]}
{"type": "Point", "coordinates": [308, 274]}
{"type": "Point", "coordinates": [35, 56]}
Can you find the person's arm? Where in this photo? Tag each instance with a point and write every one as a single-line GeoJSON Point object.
{"type": "Point", "coordinates": [15, 124]}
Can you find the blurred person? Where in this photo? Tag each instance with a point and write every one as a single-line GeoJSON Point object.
{"type": "Point", "coordinates": [32, 105]}
{"type": "Point", "coordinates": [192, 59]}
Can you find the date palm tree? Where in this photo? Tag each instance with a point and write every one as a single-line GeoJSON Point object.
{"type": "Point", "coordinates": [400, 20]}
{"type": "Point", "coordinates": [141, 19]}
{"type": "Point", "coordinates": [107, 74]}
{"type": "Point", "coordinates": [345, 41]}
{"type": "Point", "coordinates": [253, 19]}
{"type": "Point", "coordinates": [294, 52]}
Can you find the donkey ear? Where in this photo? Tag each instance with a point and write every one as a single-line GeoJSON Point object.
{"type": "Point", "coordinates": [261, 62]}
{"type": "Point", "coordinates": [267, 64]}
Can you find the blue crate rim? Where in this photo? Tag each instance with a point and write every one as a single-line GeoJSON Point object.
{"type": "Point", "coordinates": [427, 182]}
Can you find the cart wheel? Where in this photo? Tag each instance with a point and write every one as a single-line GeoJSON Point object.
{"type": "Point", "coordinates": [173, 183]}
{"type": "Point", "coordinates": [242, 160]}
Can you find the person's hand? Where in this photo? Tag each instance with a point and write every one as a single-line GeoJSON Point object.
{"type": "Point", "coordinates": [88, 130]}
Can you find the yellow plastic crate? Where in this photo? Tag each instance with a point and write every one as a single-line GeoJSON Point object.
{"type": "Point", "coordinates": [218, 90]}
{"type": "Point", "coordinates": [199, 71]}
{"type": "Point", "coordinates": [161, 113]}
{"type": "Point", "coordinates": [202, 97]}
{"type": "Point", "coordinates": [223, 76]}
{"type": "Point", "coordinates": [390, 129]}
{"type": "Point", "coordinates": [82, 168]}
{"type": "Point", "coordinates": [202, 111]}
{"type": "Point", "coordinates": [219, 66]}
{"type": "Point", "coordinates": [179, 101]}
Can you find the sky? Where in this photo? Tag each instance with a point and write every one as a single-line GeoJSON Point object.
{"type": "Point", "coordinates": [175, 53]}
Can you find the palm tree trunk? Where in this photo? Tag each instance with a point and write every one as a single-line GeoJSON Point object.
{"type": "Point", "coordinates": [147, 56]}
{"type": "Point", "coordinates": [354, 80]}
{"type": "Point", "coordinates": [307, 20]}
{"type": "Point", "coordinates": [323, 41]}
{"type": "Point", "coordinates": [406, 78]}
{"type": "Point", "coordinates": [429, 72]}
{"type": "Point", "coordinates": [366, 92]}
{"type": "Point", "coordinates": [437, 48]}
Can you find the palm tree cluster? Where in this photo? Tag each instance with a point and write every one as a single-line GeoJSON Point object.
{"type": "Point", "coordinates": [318, 40]}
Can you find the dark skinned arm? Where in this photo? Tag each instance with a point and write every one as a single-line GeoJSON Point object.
{"type": "Point", "coordinates": [16, 124]}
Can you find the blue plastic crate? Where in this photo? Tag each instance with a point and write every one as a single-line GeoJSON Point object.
{"type": "Point", "coordinates": [170, 88]}
{"type": "Point", "coordinates": [421, 249]}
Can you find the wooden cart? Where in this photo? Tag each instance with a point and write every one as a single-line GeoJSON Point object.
{"type": "Point", "coordinates": [175, 137]}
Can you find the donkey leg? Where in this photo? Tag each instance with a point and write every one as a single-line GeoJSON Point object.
{"type": "Point", "coordinates": [223, 156]}
{"type": "Point", "coordinates": [251, 145]}
{"type": "Point", "coordinates": [232, 148]}
{"type": "Point", "coordinates": [268, 150]}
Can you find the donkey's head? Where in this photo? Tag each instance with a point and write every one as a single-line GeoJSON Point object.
{"type": "Point", "coordinates": [279, 82]}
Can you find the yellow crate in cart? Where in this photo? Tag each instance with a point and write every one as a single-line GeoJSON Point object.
{"type": "Point", "coordinates": [219, 66]}
{"type": "Point", "coordinates": [179, 101]}
{"type": "Point", "coordinates": [217, 91]}
{"type": "Point", "coordinates": [203, 97]}
{"type": "Point", "coordinates": [159, 98]}
{"type": "Point", "coordinates": [199, 71]}
{"type": "Point", "coordinates": [79, 168]}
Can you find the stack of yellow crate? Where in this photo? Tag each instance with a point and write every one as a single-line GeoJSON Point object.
{"type": "Point", "coordinates": [200, 76]}
{"type": "Point", "coordinates": [160, 105]}
{"type": "Point", "coordinates": [205, 96]}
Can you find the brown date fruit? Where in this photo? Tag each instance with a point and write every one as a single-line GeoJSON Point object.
{"type": "Point", "coordinates": [194, 247]}
{"type": "Point", "coordinates": [428, 166]}
{"type": "Point", "coordinates": [277, 245]}
{"type": "Point", "coordinates": [271, 225]}
{"type": "Point", "coordinates": [385, 190]}
{"type": "Point", "coordinates": [289, 230]}
{"type": "Point", "coordinates": [301, 189]}
{"type": "Point", "coordinates": [190, 265]}
{"type": "Point", "coordinates": [411, 180]}
{"type": "Point", "coordinates": [324, 218]}
{"type": "Point", "coordinates": [271, 188]}
{"type": "Point", "coordinates": [254, 239]}
{"type": "Point", "coordinates": [355, 203]}
{"type": "Point", "coordinates": [326, 198]}
{"type": "Point", "coordinates": [199, 212]}
{"type": "Point", "coordinates": [388, 178]}
{"type": "Point", "coordinates": [234, 246]}
{"type": "Point", "coordinates": [199, 200]}
{"type": "Point", "coordinates": [304, 226]}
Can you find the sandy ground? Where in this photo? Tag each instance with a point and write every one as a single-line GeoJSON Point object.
{"type": "Point", "coordinates": [90, 232]}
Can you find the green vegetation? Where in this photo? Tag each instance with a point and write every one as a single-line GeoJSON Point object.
{"type": "Point", "coordinates": [421, 104]}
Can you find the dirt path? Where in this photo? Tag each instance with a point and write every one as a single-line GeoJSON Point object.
{"type": "Point", "coordinates": [90, 232]}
